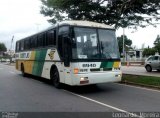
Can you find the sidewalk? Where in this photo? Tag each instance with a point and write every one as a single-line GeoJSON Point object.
{"type": "Point", "coordinates": [138, 70]}
{"type": "Point", "coordinates": [8, 63]}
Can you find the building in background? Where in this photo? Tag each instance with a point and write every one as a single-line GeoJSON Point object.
{"type": "Point", "coordinates": [134, 55]}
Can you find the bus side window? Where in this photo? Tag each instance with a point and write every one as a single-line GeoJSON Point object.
{"type": "Point", "coordinates": [44, 39]}
{"type": "Point", "coordinates": [60, 43]}
{"type": "Point", "coordinates": [54, 43]}
{"type": "Point", "coordinates": [63, 34]}
{"type": "Point", "coordinates": [51, 37]}
{"type": "Point", "coordinates": [40, 40]}
{"type": "Point", "coordinates": [34, 42]}
{"type": "Point", "coordinates": [17, 46]}
{"type": "Point", "coordinates": [27, 44]}
{"type": "Point", "coordinates": [22, 45]}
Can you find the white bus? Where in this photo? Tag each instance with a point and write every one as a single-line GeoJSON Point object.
{"type": "Point", "coordinates": [71, 52]}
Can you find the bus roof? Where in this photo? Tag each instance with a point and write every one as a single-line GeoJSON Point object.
{"type": "Point", "coordinates": [85, 23]}
{"type": "Point", "coordinates": [75, 23]}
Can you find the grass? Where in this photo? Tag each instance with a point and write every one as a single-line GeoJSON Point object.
{"type": "Point", "coordinates": [143, 80]}
{"type": "Point", "coordinates": [4, 57]}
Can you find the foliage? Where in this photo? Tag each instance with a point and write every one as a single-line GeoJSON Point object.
{"type": "Point", "coordinates": [2, 47]}
{"type": "Point", "coordinates": [127, 43]}
{"type": "Point", "coordinates": [152, 51]}
{"type": "Point", "coordinates": [149, 51]}
{"type": "Point", "coordinates": [157, 44]}
{"type": "Point", "coordinates": [120, 13]}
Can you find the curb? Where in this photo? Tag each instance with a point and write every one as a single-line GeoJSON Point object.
{"type": "Point", "coordinates": [141, 85]}
{"type": "Point", "coordinates": [10, 64]}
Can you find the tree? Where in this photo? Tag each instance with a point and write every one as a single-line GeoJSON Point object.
{"type": "Point", "coordinates": [149, 51]}
{"type": "Point", "coordinates": [157, 44]}
{"type": "Point", "coordinates": [2, 47]}
{"type": "Point", "coordinates": [120, 13]}
{"type": "Point", "coordinates": [127, 43]}
{"type": "Point", "coordinates": [152, 51]}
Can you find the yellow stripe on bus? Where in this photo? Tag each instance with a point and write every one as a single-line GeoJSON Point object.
{"type": "Point", "coordinates": [116, 64]}
{"type": "Point", "coordinates": [29, 64]}
{"type": "Point", "coordinates": [33, 55]}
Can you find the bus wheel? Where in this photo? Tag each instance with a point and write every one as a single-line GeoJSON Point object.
{"type": "Point", "coordinates": [55, 77]}
{"type": "Point", "coordinates": [22, 70]}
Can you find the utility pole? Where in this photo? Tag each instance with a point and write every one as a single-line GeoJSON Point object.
{"type": "Point", "coordinates": [123, 45]}
{"type": "Point", "coordinates": [12, 41]}
{"type": "Point", "coordinates": [11, 48]}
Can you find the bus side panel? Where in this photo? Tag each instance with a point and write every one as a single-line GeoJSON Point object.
{"type": "Point", "coordinates": [52, 58]}
{"type": "Point", "coordinates": [46, 69]}
{"type": "Point", "coordinates": [39, 62]}
{"type": "Point", "coordinates": [29, 63]}
{"type": "Point", "coordinates": [19, 64]}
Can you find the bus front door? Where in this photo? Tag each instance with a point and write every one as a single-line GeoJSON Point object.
{"type": "Point", "coordinates": [66, 59]}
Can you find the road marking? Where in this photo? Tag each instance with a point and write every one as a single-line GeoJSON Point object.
{"type": "Point", "coordinates": [12, 72]}
{"type": "Point", "coordinates": [138, 87]}
{"type": "Point", "coordinates": [103, 104]}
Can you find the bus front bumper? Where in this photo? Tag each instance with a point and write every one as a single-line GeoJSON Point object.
{"type": "Point", "coordinates": [95, 78]}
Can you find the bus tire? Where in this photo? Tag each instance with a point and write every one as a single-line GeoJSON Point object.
{"type": "Point", "coordinates": [22, 70]}
{"type": "Point", "coordinates": [54, 74]}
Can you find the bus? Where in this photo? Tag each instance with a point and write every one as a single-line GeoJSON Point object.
{"type": "Point", "coordinates": [71, 52]}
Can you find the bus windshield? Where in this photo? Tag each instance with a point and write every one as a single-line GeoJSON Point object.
{"type": "Point", "coordinates": [93, 43]}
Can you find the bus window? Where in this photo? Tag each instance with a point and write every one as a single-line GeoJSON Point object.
{"type": "Point", "coordinates": [27, 44]}
{"type": "Point", "coordinates": [64, 29]}
{"type": "Point", "coordinates": [22, 45]}
{"type": "Point", "coordinates": [17, 46]}
{"type": "Point", "coordinates": [51, 37]}
{"type": "Point", "coordinates": [34, 42]}
{"type": "Point", "coordinates": [60, 42]}
{"type": "Point", "coordinates": [44, 39]}
{"type": "Point", "coordinates": [63, 34]}
{"type": "Point", "coordinates": [40, 40]}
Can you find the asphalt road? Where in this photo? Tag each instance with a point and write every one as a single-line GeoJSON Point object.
{"type": "Point", "coordinates": [32, 95]}
{"type": "Point", "coordinates": [139, 70]}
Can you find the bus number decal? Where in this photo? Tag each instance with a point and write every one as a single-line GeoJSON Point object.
{"type": "Point", "coordinates": [89, 65]}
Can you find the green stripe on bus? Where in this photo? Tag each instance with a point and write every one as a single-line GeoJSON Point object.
{"type": "Point", "coordinates": [106, 65]}
{"type": "Point", "coordinates": [39, 62]}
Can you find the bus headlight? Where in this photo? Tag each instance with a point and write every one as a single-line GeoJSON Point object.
{"type": "Point", "coordinates": [118, 75]}
{"type": "Point", "coordinates": [83, 78]}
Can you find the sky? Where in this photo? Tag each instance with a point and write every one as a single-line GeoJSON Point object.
{"type": "Point", "coordinates": [21, 18]}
